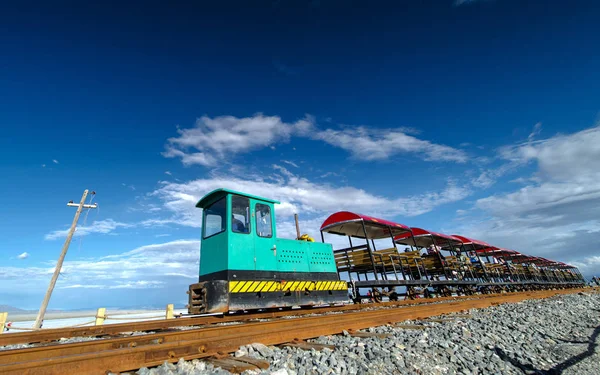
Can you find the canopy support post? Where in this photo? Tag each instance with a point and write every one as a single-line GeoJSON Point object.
{"type": "Point", "coordinates": [370, 250]}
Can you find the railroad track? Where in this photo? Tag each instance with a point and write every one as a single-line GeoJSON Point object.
{"type": "Point", "coordinates": [45, 336]}
{"type": "Point", "coordinates": [131, 353]}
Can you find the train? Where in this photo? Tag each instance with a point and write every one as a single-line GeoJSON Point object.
{"type": "Point", "coordinates": [245, 266]}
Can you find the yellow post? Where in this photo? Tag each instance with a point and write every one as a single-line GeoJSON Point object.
{"type": "Point", "coordinates": [100, 316]}
{"type": "Point", "coordinates": [3, 317]}
{"type": "Point", "coordinates": [170, 311]}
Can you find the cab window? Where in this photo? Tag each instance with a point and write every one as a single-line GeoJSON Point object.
{"type": "Point", "coordinates": [214, 218]}
{"type": "Point", "coordinates": [263, 220]}
{"type": "Point", "coordinates": [240, 214]}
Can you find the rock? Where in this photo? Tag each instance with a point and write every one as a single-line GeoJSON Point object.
{"type": "Point", "coordinates": [400, 362]}
{"type": "Point", "coordinates": [332, 361]}
{"type": "Point", "coordinates": [280, 372]}
{"type": "Point", "coordinates": [530, 333]}
{"type": "Point", "coordinates": [466, 332]}
{"type": "Point", "coordinates": [242, 351]}
{"type": "Point", "coordinates": [263, 350]}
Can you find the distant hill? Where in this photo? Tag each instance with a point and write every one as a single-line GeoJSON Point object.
{"type": "Point", "coordinates": [12, 309]}
{"type": "Point", "coordinates": [15, 310]}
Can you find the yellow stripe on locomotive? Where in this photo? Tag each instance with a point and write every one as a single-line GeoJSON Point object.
{"type": "Point", "coordinates": [254, 286]}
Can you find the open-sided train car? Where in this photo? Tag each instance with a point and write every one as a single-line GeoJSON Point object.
{"type": "Point", "coordinates": [452, 266]}
{"type": "Point", "coordinates": [368, 267]}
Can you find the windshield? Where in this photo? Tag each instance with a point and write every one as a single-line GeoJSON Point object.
{"type": "Point", "coordinates": [214, 218]}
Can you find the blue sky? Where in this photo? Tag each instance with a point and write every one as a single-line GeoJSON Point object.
{"type": "Point", "coordinates": [472, 117]}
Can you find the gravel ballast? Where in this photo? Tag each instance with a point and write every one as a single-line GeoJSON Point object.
{"type": "Point", "coordinates": [558, 335]}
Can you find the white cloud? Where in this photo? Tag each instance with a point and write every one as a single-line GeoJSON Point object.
{"type": "Point", "coordinates": [589, 265]}
{"type": "Point", "coordinates": [556, 213]}
{"type": "Point", "coordinates": [215, 139]}
{"type": "Point", "coordinates": [219, 138]}
{"type": "Point", "coordinates": [25, 273]}
{"type": "Point", "coordinates": [562, 157]}
{"type": "Point", "coordinates": [537, 129]}
{"type": "Point", "coordinates": [290, 163]}
{"type": "Point", "coordinates": [324, 175]}
{"type": "Point", "coordinates": [536, 198]}
{"type": "Point", "coordinates": [299, 195]}
{"type": "Point", "coordinates": [43, 165]}
{"type": "Point", "coordinates": [488, 177]}
{"type": "Point", "coordinates": [378, 144]}
{"type": "Point", "coordinates": [101, 226]}
{"type": "Point", "coordinates": [568, 172]}
{"type": "Point", "coordinates": [140, 284]}
{"type": "Point", "coordinates": [168, 173]}
{"type": "Point", "coordinates": [170, 265]}
{"type": "Point", "coordinates": [55, 161]}
{"type": "Point", "coordinates": [24, 255]}
{"type": "Point", "coordinates": [84, 286]}
{"type": "Point", "coordinates": [142, 263]}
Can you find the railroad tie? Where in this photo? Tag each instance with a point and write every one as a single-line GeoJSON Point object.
{"type": "Point", "coordinates": [461, 316]}
{"type": "Point", "coordinates": [260, 363]}
{"type": "Point", "coordinates": [239, 364]}
{"type": "Point", "coordinates": [439, 320]}
{"type": "Point", "coordinates": [308, 345]}
{"type": "Point", "coordinates": [410, 326]}
{"type": "Point", "coordinates": [368, 334]}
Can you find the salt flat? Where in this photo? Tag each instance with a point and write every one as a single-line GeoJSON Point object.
{"type": "Point", "coordinates": [76, 318]}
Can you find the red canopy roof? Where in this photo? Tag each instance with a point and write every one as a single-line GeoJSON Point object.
{"type": "Point", "coordinates": [350, 224]}
{"type": "Point", "coordinates": [495, 251]}
{"type": "Point", "coordinates": [467, 240]}
{"type": "Point", "coordinates": [537, 261]}
{"type": "Point", "coordinates": [523, 258]}
{"type": "Point", "coordinates": [565, 265]}
{"type": "Point", "coordinates": [425, 238]}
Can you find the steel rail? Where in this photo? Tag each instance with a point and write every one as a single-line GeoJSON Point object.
{"type": "Point", "coordinates": [52, 334]}
{"type": "Point", "coordinates": [95, 357]}
{"type": "Point", "coordinates": [49, 351]}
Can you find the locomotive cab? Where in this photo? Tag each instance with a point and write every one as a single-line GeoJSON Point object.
{"type": "Point", "coordinates": [243, 265]}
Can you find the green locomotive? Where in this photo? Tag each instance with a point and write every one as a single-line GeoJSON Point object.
{"type": "Point", "coordinates": [244, 266]}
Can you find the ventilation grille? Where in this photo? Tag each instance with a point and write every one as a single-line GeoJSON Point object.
{"type": "Point", "coordinates": [321, 257]}
{"type": "Point", "coordinates": [291, 256]}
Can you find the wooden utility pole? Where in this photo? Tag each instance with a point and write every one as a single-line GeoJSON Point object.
{"type": "Point", "coordinates": [297, 226]}
{"type": "Point", "coordinates": [80, 207]}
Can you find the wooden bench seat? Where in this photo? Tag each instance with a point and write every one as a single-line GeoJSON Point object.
{"type": "Point", "coordinates": [433, 264]}
{"type": "Point", "coordinates": [386, 260]}
{"type": "Point", "coordinates": [359, 258]}
{"type": "Point", "coordinates": [356, 260]}
{"type": "Point", "coordinates": [497, 267]}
